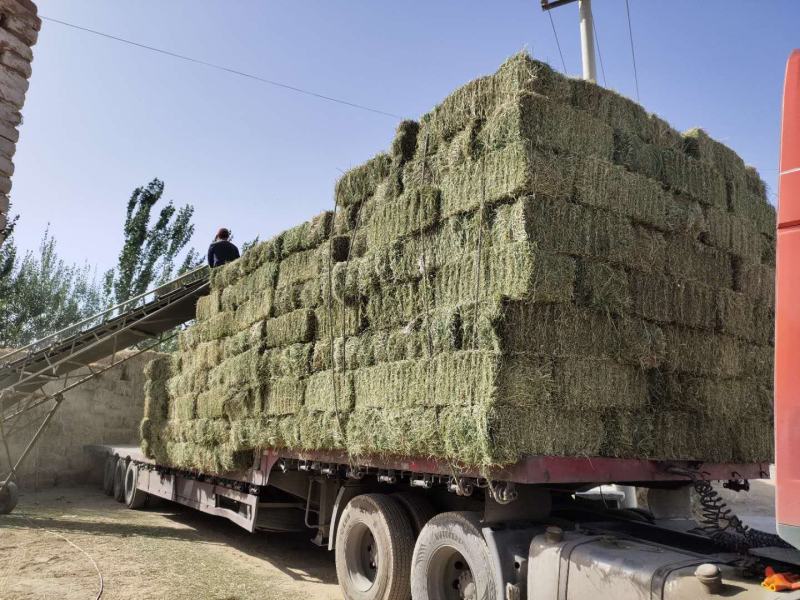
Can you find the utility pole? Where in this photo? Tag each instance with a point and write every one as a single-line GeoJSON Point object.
{"type": "Point", "coordinates": [587, 34]}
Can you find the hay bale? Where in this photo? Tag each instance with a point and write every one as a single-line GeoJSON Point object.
{"type": "Point", "coordinates": [664, 299]}
{"type": "Point", "coordinates": [284, 396]}
{"type": "Point", "coordinates": [300, 267]}
{"type": "Point", "coordinates": [755, 281]}
{"type": "Point", "coordinates": [691, 260]}
{"type": "Point", "coordinates": [733, 234]}
{"type": "Point", "coordinates": [360, 183]}
{"type": "Point", "coordinates": [413, 211]}
{"type": "Point", "coordinates": [549, 125]}
{"type": "Point", "coordinates": [603, 286]}
{"type": "Point", "coordinates": [307, 235]}
{"type": "Point", "coordinates": [605, 185]}
{"type": "Point", "coordinates": [698, 144]}
{"type": "Point", "coordinates": [295, 327]}
{"type": "Point", "coordinates": [702, 353]}
{"type": "Point", "coordinates": [673, 168]}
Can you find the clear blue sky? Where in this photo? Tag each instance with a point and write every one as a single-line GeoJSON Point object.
{"type": "Point", "coordinates": [102, 117]}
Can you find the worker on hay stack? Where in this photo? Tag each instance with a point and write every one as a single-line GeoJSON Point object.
{"type": "Point", "coordinates": [221, 250]}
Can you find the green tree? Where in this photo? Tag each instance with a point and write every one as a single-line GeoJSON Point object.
{"type": "Point", "coordinates": [40, 293]}
{"type": "Point", "coordinates": [150, 249]}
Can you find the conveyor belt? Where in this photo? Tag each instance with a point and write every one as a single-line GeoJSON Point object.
{"type": "Point", "coordinates": [43, 371]}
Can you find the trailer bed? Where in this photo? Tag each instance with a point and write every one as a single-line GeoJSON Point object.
{"type": "Point", "coordinates": [531, 470]}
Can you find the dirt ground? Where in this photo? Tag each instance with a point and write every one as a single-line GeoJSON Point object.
{"type": "Point", "coordinates": [49, 547]}
{"type": "Point", "coordinates": [165, 552]}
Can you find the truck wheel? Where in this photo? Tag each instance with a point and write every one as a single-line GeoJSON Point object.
{"type": "Point", "coordinates": [108, 475]}
{"type": "Point", "coordinates": [9, 498]}
{"type": "Point", "coordinates": [134, 497]}
{"type": "Point", "coordinates": [418, 509]}
{"type": "Point", "coordinates": [374, 543]}
{"type": "Point", "coordinates": [451, 560]}
{"type": "Point", "coordinates": [119, 480]}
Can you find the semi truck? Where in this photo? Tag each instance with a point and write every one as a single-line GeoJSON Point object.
{"type": "Point", "coordinates": [545, 528]}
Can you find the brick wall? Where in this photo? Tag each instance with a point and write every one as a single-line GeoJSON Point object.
{"type": "Point", "coordinates": [19, 29]}
{"type": "Point", "coordinates": [107, 409]}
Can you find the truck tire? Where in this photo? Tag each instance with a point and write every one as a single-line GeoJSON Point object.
{"type": "Point", "coordinates": [119, 480]}
{"type": "Point", "coordinates": [9, 498]}
{"type": "Point", "coordinates": [134, 497]}
{"type": "Point", "coordinates": [374, 544]}
{"type": "Point", "coordinates": [451, 560]}
{"type": "Point", "coordinates": [418, 509]}
{"type": "Point", "coordinates": [108, 475]}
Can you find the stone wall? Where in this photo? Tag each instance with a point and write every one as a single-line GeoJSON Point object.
{"type": "Point", "coordinates": [19, 29]}
{"type": "Point", "coordinates": [107, 409]}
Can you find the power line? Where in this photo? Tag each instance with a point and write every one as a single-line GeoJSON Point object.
{"type": "Point", "coordinates": [224, 68]}
{"type": "Point", "coordinates": [553, 25]}
{"type": "Point", "coordinates": [599, 54]}
{"type": "Point", "coordinates": [633, 51]}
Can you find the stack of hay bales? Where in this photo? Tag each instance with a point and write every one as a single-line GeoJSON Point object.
{"type": "Point", "coordinates": [537, 267]}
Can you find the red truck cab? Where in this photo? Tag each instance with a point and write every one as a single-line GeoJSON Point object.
{"type": "Point", "coordinates": [787, 311]}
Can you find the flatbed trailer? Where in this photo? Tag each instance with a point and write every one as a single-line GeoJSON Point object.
{"type": "Point", "coordinates": [527, 531]}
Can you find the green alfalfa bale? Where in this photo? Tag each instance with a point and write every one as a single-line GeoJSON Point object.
{"type": "Point", "coordinates": [478, 99]}
{"type": "Point", "coordinates": [209, 305]}
{"type": "Point", "coordinates": [596, 384]}
{"type": "Point", "coordinates": [702, 353]}
{"type": "Point", "coordinates": [689, 259]}
{"type": "Point", "coordinates": [228, 403]}
{"type": "Point", "coordinates": [748, 199]}
{"type": "Point", "coordinates": [385, 432]}
{"type": "Point", "coordinates": [460, 378]}
{"type": "Point", "coordinates": [516, 270]}
{"type": "Point", "coordinates": [247, 339]}
{"type": "Point", "coordinates": [549, 126]}
{"type": "Point", "coordinates": [733, 234]}
{"type": "Point", "coordinates": [320, 430]}
{"type": "Point", "coordinates": [563, 330]}
{"type": "Point", "coordinates": [698, 144]}
{"type": "Point", "coordinates": [742, 317]}
{"type": "Point", "coordinates": [156, 400]}
{"type": "Point", "coordinates": [300, 266]}
{"type": "Point", "coordinates": [622, 113]}
{"type": "Point", "coordinates": [330, 390]}
{"type": "Point", "coordinates": [603, 286]}
{"type": "Point", "coordinates": [245, 369]}
{"type": "Point", "coordinates": [673, 168]}
{"type": "Point", "coordinates": [284, 396]}
{"type": "Point", "coordinates": [295, 327]}
{"type": "Point", "coordinates": [227, 274]}
{"type": "Point", "coordinates": [394, 384]}
{"type": "Point", "coordinates": [663, 299]}
{"type": "Point", "coordinates": [261, 253]}
{"type": "Point", "coordinates": [159, 368]}
{"type": "Point", "coordinates": [336, 320]}
{"type": "Point", "coordinates": [183, 408]}
{"type": "Point", "coordinates": [253, 311]}
{"type": "Point", "coordinates": [309, 234]}
{"type": "Point", "coordinates": [294, 360]}
{"type": "Point", "coordinates": [756, 282]}
{"type": "Point", "coordinates": [188, 381]}
{"type": "Point", "coordinates": [606, 185]}
{"type": "Point", "coordinates": [361, 182]}
{"type": "Point", "coordinates": [727, 399]}
{"type": "Point", "coordinates": [214, 328]}
{"type": "Point", "coordinates": [397, 305]}
{"type": "Point", "coordinates": [626, 433]}
{"type": "Point", "coordinates": [509, 172]}
{"type": "Point", "coordinates": [414, 210]}
{"type": "Point", "coordinates": [568, 228]}
{"type": "Point", "coordinates": [299, 295]}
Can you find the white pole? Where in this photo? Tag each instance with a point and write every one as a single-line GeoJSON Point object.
{"type": "Point", "coordinates": [587, 40]}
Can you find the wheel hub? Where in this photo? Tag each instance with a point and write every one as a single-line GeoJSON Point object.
{"type": "Point", "coordinates": [466, 586]}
